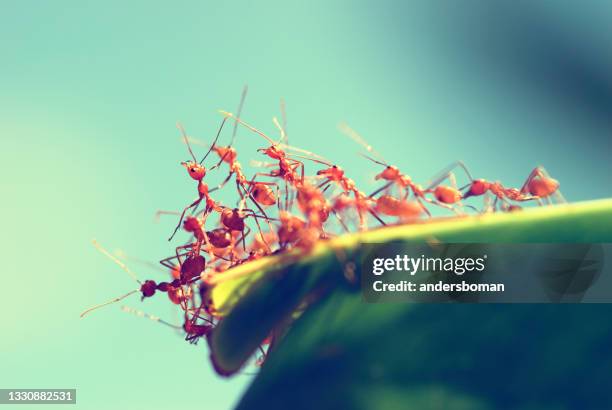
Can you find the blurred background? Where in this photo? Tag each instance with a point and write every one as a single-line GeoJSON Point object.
{"type": "Point", "coordinates": [91, 91]}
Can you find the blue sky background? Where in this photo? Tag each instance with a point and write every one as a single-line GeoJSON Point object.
{"type": "Point", "coordinates": [91, 91]}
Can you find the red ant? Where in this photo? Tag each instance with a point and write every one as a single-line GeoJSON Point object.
{"type": "Point", "coordinates": [313, 204]}
{"type": "Point", "coordinates": [259, 192]}
{"type": "Point", "coordinates": [361, 203]}
{"type": "Point", "coordinates": [387, 204]}
{"type": "Point", "coordinates": [287, 166]}
{"type": "Point", "coordinates": [197, 171]}
{"type": "Point", "coordinates": [538, 182]}
{"type": "Point", "coordinates": [147, 288]}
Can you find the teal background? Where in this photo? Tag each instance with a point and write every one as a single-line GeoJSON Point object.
{"type": "Point", "coordinates": [90, 93]}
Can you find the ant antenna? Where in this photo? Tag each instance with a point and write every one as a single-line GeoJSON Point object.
{"type": "Point", "coordinates": [374, 160]}
{"type": "Point", "coordinates": [255, 130]}
{"type": "Point", "coordinates": [122, 266]}
{"type": "Point", "coordinates": [186, 139]}
{"type": "Point", "coordinates": [238, 112]}
{"type": "Point", "coordinates": [354, 135]}
{"type": "Point", "coordinates": [154, 318]}
{"type": "Point", "coordinates": [215, 141]}
{"type": "Point", "coordinates": [283, 110]}
{"type": "Point", "coordinates": [110, 302]}
{"type": "Point", "coordinates": [281, 129]}
{"type": "Point", "coordinates": [442, 175]}
{"type": "Point", "coordinates": [121, 254]}
{"type": "Point", "coordinates": [320, 161]}
{"type": "Point", "coordinates": [116, 260]}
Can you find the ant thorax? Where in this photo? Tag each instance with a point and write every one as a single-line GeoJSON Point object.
{"type": "Point", "coordinates": [202, 188]}
{"type": "Point", "coordinates": [404, 180]}
{"type": "Point", "coordinates": [349, 185]}
{"type": "Point", "coordinates": [497, 189]}
{"type": "Point", "coordinates": [226, 154]}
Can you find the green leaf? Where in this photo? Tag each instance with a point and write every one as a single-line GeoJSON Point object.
{"type": "Point", "coordinates": [350, 354]}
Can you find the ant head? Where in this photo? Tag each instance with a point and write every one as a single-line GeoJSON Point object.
{"type": "Point", "coordinates": [148, 288]}
{"type": "Point", "coordinates": [192, 224]}
{"type": "Point", "coordinates": [390, 173]}
{"type": "Point", "coordinates": [195, 170]}
{"type": "Point", "coordinates": [334, 172]}
{"type": "Point", "coordinates": [273, 152]}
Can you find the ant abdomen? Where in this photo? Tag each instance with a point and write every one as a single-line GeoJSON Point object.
{"type": "Point", "coordinates": [232, 219]}
{"type": "Point", "coordinates": [263, 194]}
{"type": "Point", "coordinates": [447, 194]}
{"type": "Point", "coordinates": [192, 267]}
{"type": "Point", "coordinates": [543, 187]}
{"type": "Point", "coordinates": [219, 238]}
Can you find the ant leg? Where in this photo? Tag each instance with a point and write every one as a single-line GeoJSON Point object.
{"type": "Point", "coordinates": [440, 204]}
{"type": "Point", "coordinates": [209, 247]}
{"type": "Point", "coordinates": [453, 182]}
{"type": "Point", "coordinates": [157, 319]}
{"type": "Point", "coordinates": [158, 214]}
{"type": "Point", "coordinates": [295, 164]}
{"type": "Point", "coordinates": [337, 215]}
{"type": "Point", "coordinates": [176, 250]}
{"type": "Point", "coordinates": [534, 172]}
{"type": "Point", "coordinates": [286, 197]}
{"type": "Point", "coordinates": [375, 215]}
{"type": "Point", "coordinates": [445, 173]}
{"type": "Point", "coordinates": [194, 203]}
{"type": "Point", "coordinates": [381, 189]}
{"type": "Point", "coordinates": [244, 234]}
{"type": "Point", "coordinates": [420, 202]}
{"type": "Point", "coordinates": [166, 261]}
{"type": "Point", "coordinates": [268, 219]}
{"type": "Point", "coordinates": [260, 209]}
{"type": "Point", "coordinates": [116, 260]}
{"type": "Point", "coordinates": [263, 239]}
{"type": "Point", "coordinates": [222, 184]}
{"type": "Point", "coordinates": [322, 184]}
